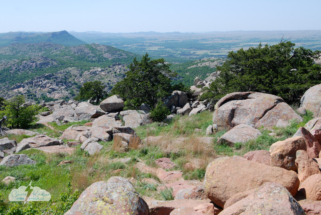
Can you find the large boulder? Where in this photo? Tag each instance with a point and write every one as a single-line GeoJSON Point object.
{"type": "Point", "coordinates": [21, 132]}
{"type": "Point", "coordinates": [185, 110]}
{"type": "Point", "coordinates": [87, 111]}
{"type": "Point", "coordinates": [283, 153]}
{"type": "Point", "coordinates": [312, 144]}
{"type": "Point", "coordinates": [5, 143]}
{"type": "Point", "coordinates": [311, 187]}
{"type": "Point", "coordinates": [306, 166]}
{"type": "Point", "coordinates": [57, 149]}
{"type": "Point", "coordinates": [135, 118]}
{"type": "Point", "coordinates": [65, 114]}
{"type": "Point", "coordinates": [116, 196]}
{"type": "Point", "coordinates": [93, 148]}
{"type": "Point", "coordinates": [112, 104]}
{"type": "Point", "coordinates": [105, 121]}
{"type": "Point", "coordinates": [260, 156]}
{"type": "Point", "coordinates": [36, 142]}
{"type": "Point", "coordinates": [311, 100]}
{"type": "Point", "coordinates": [73, 132]}
{"type": "Point", "coordinates": [271, 198]}
{"type": "Point", "coordinates": [254, 109]}
{"type": "Point", "coordinates": [228, 176]}
{"type": "Point", "coordinates": [240, 134]}
{"type": "Point", "coordinates": [16, 160]}
{"type": "Point", "coordinates": [102, 133]}
{"type": "Point", "coordinates": [177, 99]}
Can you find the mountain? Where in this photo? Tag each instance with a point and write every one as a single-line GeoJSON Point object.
{"type": "Point", "coordinates": [52, 71]}
{"type": "Point", "coordinates": [61, 37]}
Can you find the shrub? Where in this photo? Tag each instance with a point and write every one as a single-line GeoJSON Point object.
{"type": "Point", "coordinates": [160, 112]}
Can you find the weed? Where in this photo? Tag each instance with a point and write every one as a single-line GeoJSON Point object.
{"type": "Point", "coordinates": [167, 194]}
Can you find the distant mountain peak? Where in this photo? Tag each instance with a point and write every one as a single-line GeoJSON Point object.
{"type": "Point", "coordinates": [60, 37]}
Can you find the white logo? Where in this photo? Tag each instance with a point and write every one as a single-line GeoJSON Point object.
{"type": "Point", "coordinates": [29, 194]}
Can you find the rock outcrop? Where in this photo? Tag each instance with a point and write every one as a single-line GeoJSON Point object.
{"type": "Point", "coordinates": [36, 142]}
{"type": "Point", "coordinates": [254, 109]}
{"type": "Point", "coordinates": [311, 100]}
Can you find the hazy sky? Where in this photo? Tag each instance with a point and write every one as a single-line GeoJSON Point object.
{"type": "Point", "coordinates": [160, 15]}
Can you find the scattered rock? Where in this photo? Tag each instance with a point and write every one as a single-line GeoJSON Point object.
{"type": "Point", "coordinates": [196, 192]}
{"type": "Point", "coordinates": [46, 113]}
{"type": "Point", "coordinates": [112, 104]}
{"type": "Point", "coordinates": [240, 134]}
{"type": "Point", "coordinates": [105, 121]}
{"type": "Point", "coordinates": [177, 99]}
{"type": "Point", "coordinates": [166, 207]}
{"type": "Point", "coordinates": [185, 110]}
{"type": "Point", "coordinates": [176, 186]}
{"type": "Point", "coordinates": [260, 156]}
{"type": "Point", "coordinates": [124, 129]}
{"type": "Point", "coordinates": [283, 153]}
{"type": "Point", "coordinates": [170, 176]}
{"type": "Point", "coordinates": [313, 146]}
{"type": "Point", "coordinates": [123, 142]}
{"type": "Point", "coordinates": [93, 148]}
{"type": "Point", "coordinates": [73, 132]}
{"type": "Point", "coordinates": [197, 110]}
{"type": "Point", "coordinates": [134, 118]}
{"type": "Point", "coordinates": [311, 187]}
{"type": "Point", "coordinates": [87, 111]}
{"type": "Point", "coordinates": [271, 198]}
{"type": "Point", "coordinates": [21, 132]}
{"type": "Point", "coordinates": [9, 179]}
{"type": "Point", "coordinates": [16, 160]}
{"type": "Point", "coordinates": [306, 166]}
{"type": "Point", "coordinates": [165, 163]}
{"type": "Point", "coordinates": [209, 130]}
{"type": "Point", "coordinates": [101, 133]}
{"type": "Point", "coordinates": [5, 143]}
{"type": "Point", "coordinates": [36, 142]}
{"type": "Point", "coordinates": [228, 176]}
{"type": "Point", "coordinates": [66, 113]}
{"type": "Point", "coordinates": [116, 196]}
{"type": "Point", "coordinates": [252, 108]}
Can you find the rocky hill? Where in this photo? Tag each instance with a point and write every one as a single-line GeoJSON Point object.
{"type": "Point", "coordinates": [47, 70]}
{"type": "Point", "coordinates": [61, 37]}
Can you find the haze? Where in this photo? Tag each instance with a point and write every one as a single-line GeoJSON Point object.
{"type": "Point", "coordinates": [160, 16]}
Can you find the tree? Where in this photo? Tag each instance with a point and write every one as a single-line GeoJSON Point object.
{"type": "Point", "coordinates": [93, 90]}
{"type": "Point", "coordinates": [19, 115]}
{"type": "Point", "coordinates": [280, 70]}
{"type": "Point", "coordinates": [147, 81]}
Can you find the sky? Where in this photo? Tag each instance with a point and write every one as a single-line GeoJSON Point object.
{"type": "Point", "coordinates": [123, 16]}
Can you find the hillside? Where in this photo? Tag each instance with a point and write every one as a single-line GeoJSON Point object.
{"type": "Point", "coordinates": [188, 71]}
{"type": "Point", "coordinates": [61, 37]}
{"type": "Point", "coordinates": [57, 71]}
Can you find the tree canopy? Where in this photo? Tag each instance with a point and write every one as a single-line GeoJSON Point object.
{"type": "Point", "coordinates": [18, 114]}
{"type": "Point", "coordinates": [93, 90]}
{"type": "Point", "coordinates": [279, 69]}
{"type": "Point", "coordinates": [147, 82]}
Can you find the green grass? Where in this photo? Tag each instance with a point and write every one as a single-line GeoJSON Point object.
{"type": "Point", "coordinates": [67, 125]}
{"type": "Point", "coordinates": [167, 194]}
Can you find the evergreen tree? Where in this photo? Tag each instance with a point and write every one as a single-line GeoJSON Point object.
{"type": "Point", "coordinates": [93, 90]}
{"type": "Point", "coordinates": [280, 69]}
{"type": "Point", "coordinates": [147, 82]}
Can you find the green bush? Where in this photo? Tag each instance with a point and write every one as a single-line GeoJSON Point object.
{"type": "Point", "coordinates": [19, 116]}
{"type": "Point", "coordinates": [160, 112]}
